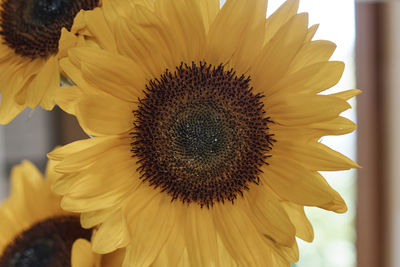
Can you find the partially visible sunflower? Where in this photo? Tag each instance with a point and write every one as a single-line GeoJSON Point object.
{"type": "Point", "coordinates": [35, 231]}
{"type": "Point", "coordinates": [92, 28]}
{"type": "Point", "coordinates": [206, 125]}
{"type": "Point", "coordinates": [30, 31]}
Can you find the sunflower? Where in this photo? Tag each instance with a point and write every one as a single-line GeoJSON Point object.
{"type": "Point", "coordinates": [206, 124]}
{"type": "Point", "coordinates": [36, 231]}
{"type": "Point", "coordinates": [91, 28]}
{"type": "Point", "coordinates": [30, 31]}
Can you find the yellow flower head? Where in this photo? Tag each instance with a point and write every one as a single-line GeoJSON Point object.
{"type": "Point", "coordinates": [206, 125]}
{"type": "Point", "coordinates": [30, 47]}
{"type": "Point", "coordinates": [35, 231]}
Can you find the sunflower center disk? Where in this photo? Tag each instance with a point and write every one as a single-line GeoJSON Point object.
{"type": "Point", "coordinates": [46, 244]}
{"type": "Point", "coordinates": [201, 134]}
{"type": "Point", "coordinates": [32, 28]}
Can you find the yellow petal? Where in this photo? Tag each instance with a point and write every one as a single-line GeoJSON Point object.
{"type": "Point", "coordinates": [209, 10]}
{"type": "Point", "coordinates": [63, 183]}
{"type": "Point", "coordinates": [67, 40]}
{"type": "Point", "coordinates": [314, 131]}
{"type": "Point", "coordinates": [252, 41]}
{"type": "Point", "coordinates": [114, 259]}
{"type": "Point", "coordinates": [224, 258]}
{"type": "Point", "coordinates": [112, 73]}
{"type": "Point", "coordinates": [279, 18]}
{"type": "Point", "coordinates": [278, 260]}
{"type": "Point", "coordinates": [245, 245]}
{"type": "Point", "coordinates": [269, 216]}
{"type": "Point", "coordinates": [47, 79]}
{"type": "Point", "coordinates": [299, 219]}
{"type": "Point", "coordinates": [104, 115]}
{"type": "Point", "coordinates": [145, 42]}
{"type": "Point", "coordinates": [89, 193]}
{"type": "Point", "coordinates": [337, 126]}
{"type": "Point", "coordinates": [117, 163]}
{"type": "Point", "coordinates": [302, 109]}
{"type": "Point", "coordinates": [223, 43]}
{"type": "Point", "coordinates": [79, 24]}
{"type": "Point", "coordinates": [67, 97]}
{"type": "Point", "coordinates": [346, 95]}
{"type": "Point", "coordinates": [316, 156]}
{"type": "Point", "coordinates": [75, 74]}
{"type": "Point", "coordinates": [93, 218]}
{"type": "Point", "coordinates": [111, 235]}
{"type": "Point", "coordinates": [277, 55]}
{"type": "Point", "coordinates": [150, 229]}
{"type": "Point", "coordinates": [60, 153]}
{"type": "Point", "coordinates": [24, 78]}
{"type": "Point", "coordinates": [185, 28]}
{"type": "Point", "coordinates": [293, 182]}
{"type": "Point", "coordinates": [201, 236]}
{"type": "Point", "coordinates": [311, 53]}
{"type": "Point", "coordinates": [82, 255]}
{"type": "Point", "coordinates": [311, 32]}
{"type": "Point", "coordinates": [172, 252]}
{"type": "Point", "coordinates": [9, 109]}
{"type": "Point", "coordinates": [286, 254]}
{"type": "Point", "coordinates": [86, 156]}
{"type": "Point", "coordinates": [98, 26]}
{"type": "Point", "coordinates": [114, 9]}
{"type": "Point", "coordinates": [311, 79]}
{"type": "Point", "coordinates": [337, 205]}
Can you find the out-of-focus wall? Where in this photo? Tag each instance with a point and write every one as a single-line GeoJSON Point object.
{"type": "Point", "coordinates": [3, 181]}
{"type": "Point", "coordinates": [391, 131]}
{"type": "Point", "coordinates": [30, 136]}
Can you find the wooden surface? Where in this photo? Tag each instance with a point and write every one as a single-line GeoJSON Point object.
{"type": "Point", "coordinates": [370, 213]}
{"type": "Point", "coordinates": [391, 119]}
{"type": "Point", "coordinates": [68, 128]}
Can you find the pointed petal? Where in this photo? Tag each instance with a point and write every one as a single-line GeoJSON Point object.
{"type": "Point", "coordinates": [311, 79]}
{"type": "Point", "coordinates": [346, 95]}
{"type": "Point", "coordinates": [316, 156]}
{"type": "Point", "coordinates": [293, 182]}
{"type": "Point", "coordinates": [280, 17]}
{"type": "Point", "coordinates": [303, 109]}
{"type": "Point", "coordinates": [84, 157]}
{"type": "Point", "coordinates": [185, 26]}
{"type": "Point", "coordinates": [222, 43]}
{"type": "Point", "coordinates": [311, 53]}
{"type": "Point", "coordinates": [277, 55]}
{"type": "Point", "coordinates": [299, 219]}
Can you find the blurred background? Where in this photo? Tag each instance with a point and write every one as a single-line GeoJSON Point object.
{"type": "Point", "coordinates": [368, 38]}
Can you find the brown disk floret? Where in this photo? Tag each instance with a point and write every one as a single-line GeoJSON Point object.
{"type": "Point", "coordinates": [45, 244]}
{"type": "Point", "coordinates": [201, 134]}
{"type": "Point", "coordinates": [32, 28]}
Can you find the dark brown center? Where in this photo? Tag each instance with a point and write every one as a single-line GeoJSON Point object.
{"type": "Point", "coordinates": [45, 244]}
{"type": "Point", "coordinates": [201, 134]}
{"type": "Point", "coordinates": [32, 28]}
